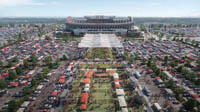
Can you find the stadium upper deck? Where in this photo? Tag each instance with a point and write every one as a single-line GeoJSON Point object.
{"type": "Point", "coordinates": [99, 24]}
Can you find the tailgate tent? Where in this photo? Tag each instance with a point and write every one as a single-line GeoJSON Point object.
{"type": "Point", "coordinates": [86, 81]}
{"type": "Point", "coordinates": [115, 76]}
{"type": "Point", "coordinates": [83, 106]}
{"type": "Point", "coordinates": [84, 98]}
{"type": "Point", "coordinates": [54, 93]}
{"type": "Point", "coordinates": [120, 92]}
{"type": "Point", "coordinates": [122, 101]}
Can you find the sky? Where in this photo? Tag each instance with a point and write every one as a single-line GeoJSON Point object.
{"type": "Point", "coordinates": [78, 8]}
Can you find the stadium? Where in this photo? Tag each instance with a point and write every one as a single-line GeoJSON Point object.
{"type": "Point", "coordinates": [101, 24]}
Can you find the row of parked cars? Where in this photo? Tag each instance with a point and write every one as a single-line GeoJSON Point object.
{"type": "Point", "coordinates": [62, 87]}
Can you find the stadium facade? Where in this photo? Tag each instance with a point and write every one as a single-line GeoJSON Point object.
{"type": "Point", "coordinates": [100, 24]}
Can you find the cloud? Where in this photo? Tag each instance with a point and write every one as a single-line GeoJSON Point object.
{"type": "Point", "coordinates": [54, 3]}
{"type": "Point", "coordinates": [6, 3]}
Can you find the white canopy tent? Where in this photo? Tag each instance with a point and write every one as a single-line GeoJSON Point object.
{"type": "Point", "coordinates": [116, 83]}
{"type": "Point", "coordinates": [120, 92]}
{"type": "Point", "coordinates": [87, 85]}
{"type": "Point", "coordinates": [86, 89]}
{"type": "Point", "coordinates": [124, 110]}
{"type": "Point", "coordinates": [122, 101]}
{"type": "Point", "coordinates": [115, 76]}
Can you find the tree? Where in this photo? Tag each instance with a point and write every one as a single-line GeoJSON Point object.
{"type": "Point", "coordinates": [15, 59]}
{"type": "Point", "coordinates": [174, 63]}
{"type": "Point", "coordinates": [179, 69]}
{"type": "Point", "coordinates": [197, 44]}
{"type": "Point", "coordinates": [198, 62]}
{"type": "Point", "coordinates": [33, 82]}
{"type": "Point", "coordinates": [47, 38]}
{"type": "Point", "coordinates": [1, 63]}
{"type": "Point", "coordinates": [187, 40]}
{"type": "Point", "coordinates": [18, 70]}
{"type": "Point", "coordinates": [190, 104]}
{"type": "Point", "coordinates": [131, 60]}
{"type": "Point", "coordinates": [10, 64]}
{"type": "Point", "coordinates": [178, 92]}
{"type": "Point", "coordinates": [149, 64]}
{"type": "Point", "coordinates": [170, 84]}
{"type": "Point", "coordinates": [181, 40]}
{"type": "Point", "coordinates": [12, 75]}
{"type": "Point", "coordinates": [126, 55]}
{"type": "Point", "coordinates": [19, 37]}
{"type": "Point", "coordinates": [33, 59]}
{"type": "Point", "coordinates": [27, 90]}
{"type": "Point", "coordinates": [174, 39]}
{"type": "Point", "coordinates": [193, 42]}
{"type": "Point", "coordinates": [45, 70]}
{"type": "Point", "coordinates": [26, 65]}
{"type": "Point", "coordinates": [143, 62]}
{"type": "Point", "coordinates": [41, 76]}
{"type": "Point", "coordinates": [57, 62]}
{"type": "Point", "coordinates": [12, 106]}
{"type": "Point", "coordinates": [64, 57]}
{"type": "Point", "coordinates": [48, 62]}
{"type": "Point", "coordinates": [158, 71]}
{"type": "Point", "coordinates": [192, 76]}
{"type": "Point", "coordinates": [166, 60]}
{"type": "Point", "coordinates": [3, 84]}
{"type": "Point", "coordinates": [197, 82]}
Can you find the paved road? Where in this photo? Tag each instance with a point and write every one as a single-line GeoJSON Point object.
{"type": "Point", "coordinates": [139, 89]}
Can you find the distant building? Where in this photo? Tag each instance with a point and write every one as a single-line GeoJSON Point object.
{"type": "Point", "coordinates": [101, 24]}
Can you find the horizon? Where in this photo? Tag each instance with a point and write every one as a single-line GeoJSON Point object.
{"type": "Point", "coordinates": [79, 8]}
{"type": "Point", "coordinates": [93, 15]}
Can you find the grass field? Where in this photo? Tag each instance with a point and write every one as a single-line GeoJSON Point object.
{"type": "Point", "coordinates": [92, 66]}
{"type": "Point", "coordinates": [99, 53]}
{"type": "Point", "coordinates": [102, 97]}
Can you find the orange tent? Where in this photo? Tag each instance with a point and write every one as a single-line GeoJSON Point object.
{"type": "Point", "coordinates": [62, 80]}
{"type": "Point", "coordinates": [86, 80]}
{"type": "Point", "coordinates": [116, 80]}
{"type": "Point", "coordinates": [5, 74]}
{"type": "Point", "coordinates": [158, 78]}
{"type": "Point", "coordinates": [169, 68]}
{"type": "Point", "coordinates": [89, 74]}
{"type": "Point", "coordinates": [28, 76]}
{"type": "Point", "coordinates": [83, 106]}
{"type": "Point", "coordinates": [112, 71]}
{"type": "Point", "coordinates": [84, 98]}
{"type": "Point", "coordinates": [62, 77]}
{"type": "Point", "coordinates": [195, 96]}
{"type": "Point", "coordinates": [16, 84]}
{"type": "Point", "coordinates": [1, 77]}
{"type": "Point", "coordinates": [54, 93]}
{"type": "Point", "coordinates": [198, 73]}
{"type": "Point", "coordinates": [150, 70]}
{"type": "Point", "coordinates": [163, 69]}
{"type": "Point", "coordinates": [117, 86]}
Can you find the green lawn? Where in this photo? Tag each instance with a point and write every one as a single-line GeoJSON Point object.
{"type": "Point", "coordinates": [93, 66]}
{"type": "Point", "coordinates": [99, 53]}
